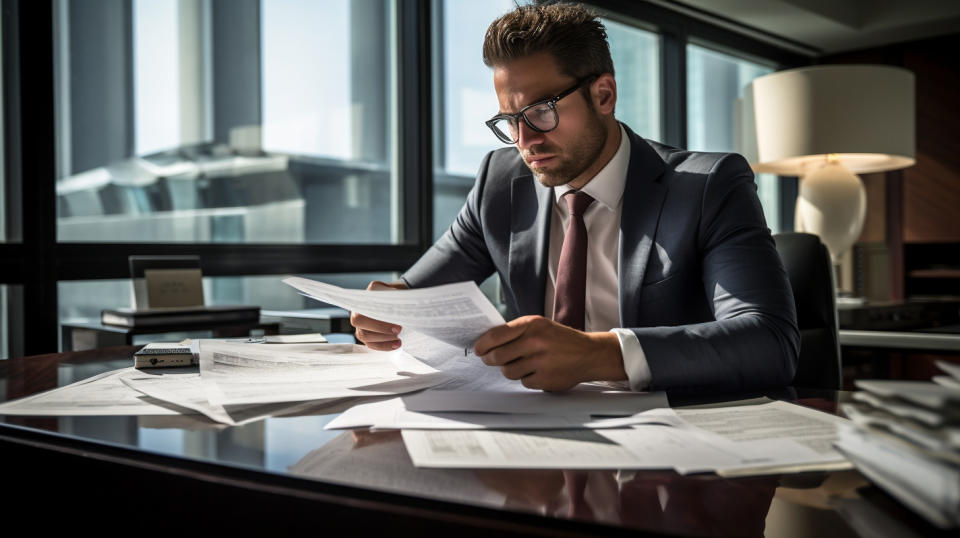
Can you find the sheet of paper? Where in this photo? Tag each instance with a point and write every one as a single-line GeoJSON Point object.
{"type": "Point", "coordinates": [391, 414]}
{"type": "Point", "coordinates": [739, 440]}
{"type": "Point", "coordinates": [572, 402]}
{"type": "Point", "coordinates": [781, 435]}
{"type": "Point", "coordinates": [467, 371]}
{"type": "Point", "coordinates": [456, 314]}
{"type": "Point", "coordinates": [238, 374]}
{"type": "Point", "coordinates": [103, 394]}
{"type": "Point", "coordinates": [183, 387]}
{"type": "Point", "coordinates": [547, 449]}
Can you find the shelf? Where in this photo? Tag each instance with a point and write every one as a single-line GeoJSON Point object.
{"type": "Point", "coordinates": [934, 273]}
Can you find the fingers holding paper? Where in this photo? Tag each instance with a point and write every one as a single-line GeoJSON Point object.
{"type": "Point", "coordinates": [546, 355]}
{"type": "Point", "coordinates": [375, 334]}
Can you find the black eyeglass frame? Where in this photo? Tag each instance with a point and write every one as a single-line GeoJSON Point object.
{"type": "Point", "coordinates": [551, 103]}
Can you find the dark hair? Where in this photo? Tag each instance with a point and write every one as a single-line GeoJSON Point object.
{"type": "Point", "coordinates": [574, 36]}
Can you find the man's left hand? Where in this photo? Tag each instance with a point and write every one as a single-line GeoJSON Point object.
{"type": "Point", "coordinates": [546, 355]}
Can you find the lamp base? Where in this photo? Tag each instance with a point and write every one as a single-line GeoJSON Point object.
{"type": "Point", "coordinates": [832, 204]}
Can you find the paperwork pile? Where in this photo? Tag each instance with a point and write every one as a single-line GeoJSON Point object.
{"type": "Point", "coordinates": [578, 430]}
{"type": "Point", "coordinates": [907, 441]}
{"type": "Point", "coordinates": [239, 383]}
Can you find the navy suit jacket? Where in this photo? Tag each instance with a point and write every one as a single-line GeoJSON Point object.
{"type": "Point", "coordinates": [700, 280]}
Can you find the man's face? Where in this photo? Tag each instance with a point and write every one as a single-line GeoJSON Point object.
{"type": "Point", "coordinates": [565, 153]}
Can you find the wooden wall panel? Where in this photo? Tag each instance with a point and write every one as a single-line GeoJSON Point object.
{"type": "Point", "coordinates": [931, 188]}
{"type": "Point", "coordinates": [874, 226]}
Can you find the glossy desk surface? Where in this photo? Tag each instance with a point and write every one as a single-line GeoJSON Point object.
{"type": "Point", "coordinates": [367, 476]}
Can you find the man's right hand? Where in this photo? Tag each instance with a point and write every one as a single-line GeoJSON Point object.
{"type": "Point", "coordinates": [376, 334]}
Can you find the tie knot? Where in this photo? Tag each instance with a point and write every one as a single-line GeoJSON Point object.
{"type": "Point", "coordinates": [577, 202]}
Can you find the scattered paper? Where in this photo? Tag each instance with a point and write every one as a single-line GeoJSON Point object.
{"type": "Point", "coordinates": [577, 402]}
{"type": "Point", "coordinates": [183, 387]}
{"type": "Point", "coordinates": [392, 414]}
{"type": "Point", "coordinates": [762, 444]}
{"type": "Point", "coordinates": [103, 394]}
{"type": "Point", "coordinates": [240, 374]}
{"type": "Point", "coordinates": [490, 449]}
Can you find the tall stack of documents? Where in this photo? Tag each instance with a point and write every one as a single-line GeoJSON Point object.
{"type": "Point", "coordinates": [906, 439]}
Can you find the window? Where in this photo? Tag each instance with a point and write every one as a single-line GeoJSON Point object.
{"type": "Point", "coordinates": [263, 135]}
{"type": "Point", "coordinates": [715, 81]}
{"type": "Point", "coordinates": [4, 338]}
{"type": "Point", "coordinates": [636, 59]}
{"type": "Point", "coordinates": [464, 98]}
{"type": "Point", "coordinates": [3, 146]}
{"type": "Point", "coordinates": [209, 122]}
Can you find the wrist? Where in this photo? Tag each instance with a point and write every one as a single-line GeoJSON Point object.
{"type": "Point", "coordinates": [607, 359]}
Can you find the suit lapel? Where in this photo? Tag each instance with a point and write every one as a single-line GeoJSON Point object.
{"type": "Point", "coordinates": [529, 240]}
{"type": "Point", "coordinates": [643, 198]}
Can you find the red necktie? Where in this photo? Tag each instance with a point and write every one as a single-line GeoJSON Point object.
{"type": "Point", "coordinates": [570, 294]}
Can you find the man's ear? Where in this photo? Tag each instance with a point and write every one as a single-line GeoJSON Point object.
{"type": "Point", "coordinates": [603, 92]}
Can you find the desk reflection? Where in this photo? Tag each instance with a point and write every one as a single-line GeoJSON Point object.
{"type": "Point", "coordinates": [660, 500]}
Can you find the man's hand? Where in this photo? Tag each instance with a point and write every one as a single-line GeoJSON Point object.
{"type": "Point", "coordinates": [546, 355]}
{"type": "Point", "coordinates": [376, 334]}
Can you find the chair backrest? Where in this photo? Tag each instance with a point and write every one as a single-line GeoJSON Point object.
{"type": "Point", "coordinates": [814, 291]}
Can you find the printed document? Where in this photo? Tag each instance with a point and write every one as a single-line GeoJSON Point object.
{"type": "Point", "coordinates": [103, 394]}
{"type": "Point", "coordinates": [588, 402]}
{"type": "Point", "coordinates": [182, 386]}
{"type": "Point", "coordinates": [741, 440]}
{"type": "Point", "coordinates": [392, 414]}
{"type": "Point", "coordinates": [238, 374]}
{"type": "Point", "coordinates": [814, 430]}
{"type": "Point", "coordinates": [456, 314]}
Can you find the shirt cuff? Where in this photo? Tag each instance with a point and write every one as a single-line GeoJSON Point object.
{"type": "Point", "coordinates": [634, 359]}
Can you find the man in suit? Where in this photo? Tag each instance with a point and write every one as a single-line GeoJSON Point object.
{"type": "Point", "coordinates": [621, 259]}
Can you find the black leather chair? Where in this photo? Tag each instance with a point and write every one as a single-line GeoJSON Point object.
{"type": "Point", "coordinates": [811, 276]}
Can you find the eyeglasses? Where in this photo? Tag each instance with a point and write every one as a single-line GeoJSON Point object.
{"type": "Point", "coordinates": [540, 116]}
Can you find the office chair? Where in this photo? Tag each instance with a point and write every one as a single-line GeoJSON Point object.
{"type": "Point", "coordinates": [814, 292]}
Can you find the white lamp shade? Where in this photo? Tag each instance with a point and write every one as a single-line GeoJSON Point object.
{"type": "Point", "coordinates": [862, 114]}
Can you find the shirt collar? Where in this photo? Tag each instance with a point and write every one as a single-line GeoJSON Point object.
{"type": "Point", "coordinates": [607, 186]}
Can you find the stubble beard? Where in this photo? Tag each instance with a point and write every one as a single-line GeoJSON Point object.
{"type": "Point", "coordinates": [574, 161]}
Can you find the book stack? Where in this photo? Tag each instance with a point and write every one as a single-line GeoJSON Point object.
{"type": "Point", "coordinates": [170, 317]}
{"type": "Point", "coordinates": [905, 438]}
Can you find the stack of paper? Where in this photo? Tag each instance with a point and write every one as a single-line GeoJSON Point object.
{"type": "Point", "coordinates": [601, 430]}
{"type": "Point", "coordinates": [907, 441]}
{"type": "Point", "coordinates": [238, 383]}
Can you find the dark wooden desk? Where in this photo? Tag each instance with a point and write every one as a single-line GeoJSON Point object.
{"type": "Point", "coordinates": [287, 475]}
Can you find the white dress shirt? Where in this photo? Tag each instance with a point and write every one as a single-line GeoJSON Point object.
{"type": "Point", "coordinates": [602, 219]}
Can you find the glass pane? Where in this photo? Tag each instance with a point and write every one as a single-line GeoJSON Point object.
{"type": "Point", "coordinates": [4, 338]}
{"type": "Point", "coordinates": [81, 301]}
{"type": "Point", "coordinates": [234, 122]}
{"type": "Point", "coordinates": [464, 101]}
{"type": "Point", "coordinates": [3, 147]}
{"type": "Point", "coordinates": [715, 81]}
{"type": "Point", "coordinates": [636, 59]}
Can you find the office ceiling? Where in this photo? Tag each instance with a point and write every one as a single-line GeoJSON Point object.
{"type": "Point", "coordinates": [832, 26]}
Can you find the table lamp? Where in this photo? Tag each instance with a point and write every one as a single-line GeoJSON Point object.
{"type": "Point", "coordinates": [826, 124]}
